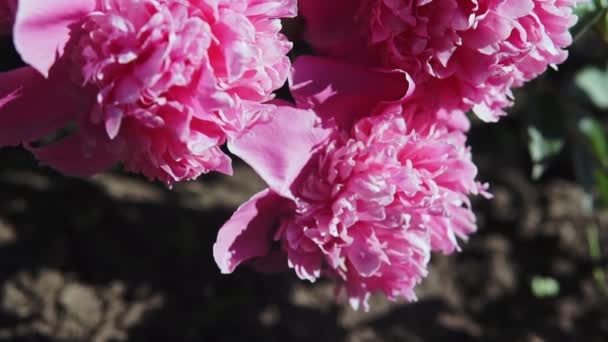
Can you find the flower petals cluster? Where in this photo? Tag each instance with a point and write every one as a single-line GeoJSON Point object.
{"type": "Point", "coordinates": [467, 53]}
{"type": "Point", "coordinates": [377, 202]}
{"type": "Point", "coordinates": [162, 84]}
{"type": "Point", "coordinates": [368, 173]}
{"type": "Point", "coordinates": [369, 205]}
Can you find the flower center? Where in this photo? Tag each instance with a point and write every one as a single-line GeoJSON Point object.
{"type": "Point", "coordinates": [142, 56]}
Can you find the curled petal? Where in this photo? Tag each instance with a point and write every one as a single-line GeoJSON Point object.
{"type": "Point", "coordinates": [248, 233]}
{"type": "Point", "coordinates": [280, 147]}
{"type": "Point", "coordinates": [76, 156]}
{"type": "Point", "coordinates": [344, 91]}
{"type": "Point", "coordinates": [42, 29]}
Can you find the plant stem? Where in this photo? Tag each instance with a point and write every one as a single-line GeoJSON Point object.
{"type": "Point", "coordinates": [595, 253]}
{"type": "Point", "coordinates": [588, 18]}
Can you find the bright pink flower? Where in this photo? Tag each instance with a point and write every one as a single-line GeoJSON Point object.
{"type": "Point", "coordinates": [462, 54]}
{"type": "Point", "coordinates": [7, 15]}
{"type": "Point", "coordinates": [157, 84]}
{"type": "Point", "coordinates": [363, 201]}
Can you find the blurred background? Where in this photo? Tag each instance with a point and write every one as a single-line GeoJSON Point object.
{"type": "Point", "coordinates": [116, 258]}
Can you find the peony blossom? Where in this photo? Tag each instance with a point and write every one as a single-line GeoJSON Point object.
{"type": "Point", "coordinates": [362, 193]}
{"type": "Point", "coordinates": [158, 85]}
{"type": "Point", "coordinates": [462, 54]}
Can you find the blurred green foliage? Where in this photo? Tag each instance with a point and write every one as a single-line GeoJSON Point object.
{"type": "Point", "coordinates": [591, 13]}
{"type": "Point", "coordinates": [594, 82]}
{"type": "Point", "coordinates": [544, 287]}
{"type": "Point", "coordinates": [575, 120]}
{"type": "Point", "coordinates": [542, 149]}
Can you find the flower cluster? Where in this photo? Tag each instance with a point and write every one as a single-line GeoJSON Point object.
{"type": "Point", "coordinates": [160, 84]}
{"type": "Point", "coordinates": [371, 203]}
{"type": "Point", "coordinates": [377, 201]}
{"type": "Point", "coordinates": [368, 172]}
{"type": "Point", "coordinates": [468, 54]}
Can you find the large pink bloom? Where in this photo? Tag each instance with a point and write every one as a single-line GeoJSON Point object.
{"type": "Point", "coordinates": [157, 84]}
{"type": "Point", "coordinates": [462, 54]}
{"type": "Point", "coordinates": [364, 201]}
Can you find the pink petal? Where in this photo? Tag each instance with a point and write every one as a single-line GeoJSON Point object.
{"type": "Point", "coordinates": [279, 148]}
{"type": "Point", "coordinates": [455, 120]}
{"type": "Point", "coordinates": [306, 265]}
{"type": "Point", "coordinates": [32, 106]}
{"type": "Point", "coordinates": [43, 28]}
{"type": "Point", "coordinates": [273, 8]}
{"type": "Point", "coordinates": [344, 91]}
{"type": "Point", "coordinates": [365, 263]}
{"type": "Point", "coordinates": [76, 156]}
{"type": "Point", "coordinates": [248, 233]}
{"type": "Point", "coordinates": [514, 9]}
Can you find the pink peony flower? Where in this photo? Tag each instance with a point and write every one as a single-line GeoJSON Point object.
{"type": "Point", "coordinates": [7, 15]}
{"type": "Point", "coordinates": [156, 84]}
{"type": "Point", "coordinates": [462, 54]}
{"type": "Point", "coordinates": [364, 201]}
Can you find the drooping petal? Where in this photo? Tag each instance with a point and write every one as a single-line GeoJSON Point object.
{"type": "Point", "coordinates": [32, 106]}
{"type": "Point", "coordinates": [42, 29]}
{"type": "Point", "coordinates": [280, 147]}
{"type": "Point", "coordinates": [344, 91]}
{"type": "Point", "coordinates": [77, 156]}
{"type": "Point", "coordinates": [248, 233]}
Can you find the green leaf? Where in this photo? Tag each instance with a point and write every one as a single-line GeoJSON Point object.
{"type": "Point", "coordinates": [601, 180]}
{"type": "Point", "coordinates": [594, 82]}
{"type": "Point", "coordinates": [586, 9]}
{"type": "Point", "coordinates": [596, 135]}
{"type": "Point", "coordinates": [541, 149]}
